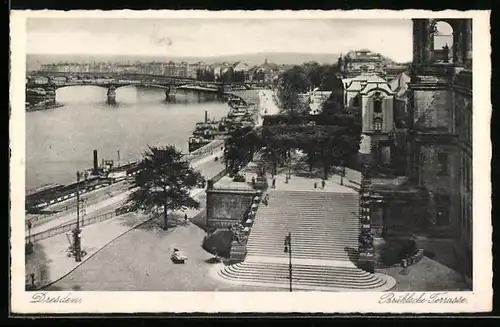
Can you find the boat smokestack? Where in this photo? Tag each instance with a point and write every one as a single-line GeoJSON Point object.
{"type": "Point", "coordinates": [206, 116]}
{"type": "Point", "coordinates": [96, 161]}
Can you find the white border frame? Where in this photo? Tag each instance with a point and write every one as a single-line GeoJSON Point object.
{"type": "Point", "coordinates": [212, 302]}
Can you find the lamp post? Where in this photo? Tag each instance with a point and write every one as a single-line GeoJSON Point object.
{"type": "Point", "coordinates": [29, 246]}
{"type": "Point", "coordinates": [288, 249]}
{"type": "Point", "coordinates": [342, 173]}
{"type": "Point", "coordinates": [77, 232]}
{"type": "Point", "coordinates": [29, 232]}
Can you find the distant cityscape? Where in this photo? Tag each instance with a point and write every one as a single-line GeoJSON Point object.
{"type": "Point", "coordinates": [359, 61]}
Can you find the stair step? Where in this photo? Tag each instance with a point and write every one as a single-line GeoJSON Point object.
{"type": "Point", "coordinates": [338, 283]}
{"type": "Point", "coordinates": [312, 272]}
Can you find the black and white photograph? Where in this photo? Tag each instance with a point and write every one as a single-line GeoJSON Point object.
{"type": "Point", "coordinates": [317, 155]}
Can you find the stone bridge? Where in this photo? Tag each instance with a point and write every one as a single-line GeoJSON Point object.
{"type": "Point", "coordinates": [51, 81]}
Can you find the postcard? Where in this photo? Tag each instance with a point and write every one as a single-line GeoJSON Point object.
{"type": "Point", "coordinates": [250, 161]}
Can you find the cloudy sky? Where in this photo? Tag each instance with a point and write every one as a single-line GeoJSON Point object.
{"type": "Point", "coordinates": [213, 37]}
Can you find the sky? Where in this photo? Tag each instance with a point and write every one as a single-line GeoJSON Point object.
{"type": "Point", "coordinates": [214, 37]}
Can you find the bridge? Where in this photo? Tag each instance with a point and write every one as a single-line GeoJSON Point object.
{"type": "Point", "coordinates": [55, 80]}
{"type": "Point", "coordinates": [51, 81]}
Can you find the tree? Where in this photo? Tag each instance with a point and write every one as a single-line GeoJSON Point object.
{"type": "Point", "coordinates": [164, 182]}
{"type": "Point", "coordinates": [292, 82]}
{"type": "Point", "coordinates": [240, 147]}
{"type": "Point", "coordinates": [330, 80]}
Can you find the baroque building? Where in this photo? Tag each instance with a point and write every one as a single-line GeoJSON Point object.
{"type": "Point", "coordinates": [361, 62]}
{"type": "Point", "coordinates": [431, 201]}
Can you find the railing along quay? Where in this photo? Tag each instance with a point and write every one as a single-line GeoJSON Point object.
{"type": "Point", "coordinates": [196, 155]}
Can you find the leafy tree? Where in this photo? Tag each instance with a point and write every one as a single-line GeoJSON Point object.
{"type": "Point", "coordinates": [259, 75]}
{"type": "Point", "coordinates": [292, 82]}
{"type": "Point", "coordinates": [227, 76]}
{"type": "Point", "coordinates": [164, 182]}
{"type": "Point", "coordinates": [205, 75]}
{"type": "Point", "coordinates": [330, 80]}
{"type": "Point", "coordinates": [218, 242]}
{"type": "Point", "coordinates": [239, 77]}
{"type": "Point", "coordinates": [314, 72]}
{"type": "Point", "coordinates": [241, 145]}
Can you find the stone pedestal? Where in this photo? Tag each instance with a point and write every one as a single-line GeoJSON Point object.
{"type": "Point", "coordinates": [111, 95]}
{"type": "Point", "coordinates": [367, 262]}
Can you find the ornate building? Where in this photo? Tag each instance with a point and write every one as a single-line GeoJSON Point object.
{"type": "Point", "coordinates": [373, 96]}
{"type": "Point", "coordinates": [441, 127]}
{"type": "Point", "coordinates": [361, 62]}
{"type": "Point", "coordinates": [432, 203]}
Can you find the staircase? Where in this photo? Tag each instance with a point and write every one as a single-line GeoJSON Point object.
{"type": "Point", "coordinates": [322, 224]}
{"type": "Point", "coordinates": [324, 227]}
{"type": "Point", "coordinates": [305, 277]}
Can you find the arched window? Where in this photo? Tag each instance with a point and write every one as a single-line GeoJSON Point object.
{"type": "Point", "coordinates": [377, 106]}
{"type": "Point", "coordinates": [442, 39]}
{"type": "Point", "coordinates": [377, 125]}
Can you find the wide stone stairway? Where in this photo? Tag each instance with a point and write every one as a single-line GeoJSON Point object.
{"type": "Point", "coordinates": [324, 229]}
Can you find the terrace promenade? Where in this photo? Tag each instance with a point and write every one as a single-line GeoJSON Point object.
{"type": "Point", "coordinates": [51, 253]}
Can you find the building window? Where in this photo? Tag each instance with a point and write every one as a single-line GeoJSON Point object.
{"type": "Point", "coordinates": [355, 101]}
{"type": "Point", "coordinates": [443, 42]}
{"type": "Point", "coordinates": [442, 210]}
{"type": "Point", "coordinates": [443, 164]}
{"type": "Point", "coordinates": [377, 106]}
{"type": "Point", "coordinates": [377, 125]}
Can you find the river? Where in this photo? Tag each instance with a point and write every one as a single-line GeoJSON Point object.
{"type": "Point", "coordinates": [61, 141]}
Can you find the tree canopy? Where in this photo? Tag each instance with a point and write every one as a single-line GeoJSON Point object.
{"type": "Point", "coordinates": [164, 182]}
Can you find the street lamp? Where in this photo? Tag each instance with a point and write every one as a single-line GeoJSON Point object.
{"type": "Point", "coordinates": [29, 231]}
{"type": "Point", "coordinates": [29, 246]}
{"type": "Point", "coordinates": [288, 249]}
{"type": "Point", "coordinates": [77, 232]}
{"type": "Point", "coordinates": [342, 172]}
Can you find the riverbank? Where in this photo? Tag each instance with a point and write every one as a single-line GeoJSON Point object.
{"type": "Point", "coordinates": [30, 108]}
{"type": "Point", "coordinates": [50, 260]}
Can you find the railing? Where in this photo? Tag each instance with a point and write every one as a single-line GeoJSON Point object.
{"type": "Point", "coordinates": [233, 188]}
{"type": "Point", "coordinates": [217, 177]}
{"type": "Point", "coordinates": [204, 150]}
{"type": "Point", "coordinates": [72, 208]}
{"type": "Point", "coordinates": [69, 227]}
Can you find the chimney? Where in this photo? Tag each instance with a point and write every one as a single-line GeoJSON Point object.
{"type": "Point", "coordinates": [96, 162]}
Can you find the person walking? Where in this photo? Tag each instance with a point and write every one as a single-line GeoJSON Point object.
{"type": "Point", "coordinates": [185, 217]}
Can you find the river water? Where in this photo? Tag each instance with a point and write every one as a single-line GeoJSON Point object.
{"type": "Point", "coordinates": [61, 141]}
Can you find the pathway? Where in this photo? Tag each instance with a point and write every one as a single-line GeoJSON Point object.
{"type": "Point", "coordinates": [50, 261]}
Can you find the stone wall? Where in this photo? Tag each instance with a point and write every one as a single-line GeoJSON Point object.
{"type": "Point", "coordinates": [226, 207]}
{"type": "Point", "coordinates": [439, 172]}
{"type": "Point", "coordinates": [433, 110]}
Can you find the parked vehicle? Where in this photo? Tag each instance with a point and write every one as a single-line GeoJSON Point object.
{"type": "Point", "coordinates": [178, 257]}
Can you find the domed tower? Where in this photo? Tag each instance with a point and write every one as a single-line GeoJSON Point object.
{"type": "Point", "coordinates": [341, 64]}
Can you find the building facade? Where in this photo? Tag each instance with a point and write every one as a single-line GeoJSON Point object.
{"type": "Point", "coordinates": [361, 62]}
{"type": "Point", "coordinates": [441, 110]}
{"type": "Point", "coordinates": [432, 202]}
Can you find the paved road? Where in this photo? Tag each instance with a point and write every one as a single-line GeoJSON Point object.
{"type": "Point", "coordinates": [104, 201]}
{"type": "Point", "coordinates": [140, 261]}
{"type": "Point", "coordinates": [267, 103]}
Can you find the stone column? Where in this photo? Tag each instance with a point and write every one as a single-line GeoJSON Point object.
{"type": "Point", "coordinates": [112, 95]}
{"type": "Point", "coordinates": [468, 43]}
{"type": "Point", "coordinates": [366, 248]}
{"type": "Point", "coordinates": [417, 41]}
{"type": "Point", "coordinates": [458, 43]}
{"type": "Point", "coordinates": [427, 35]}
